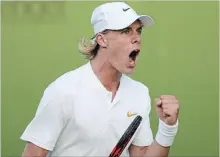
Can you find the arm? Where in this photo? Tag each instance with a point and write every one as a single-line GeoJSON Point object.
{"type": "Point", "coordinates": [167, 110]}
{"type": "Point", "coordinates": [154, 150]}
{"type": "Point", "coordinates": [46, 126]}
{"type": "Point", "coordinates": [32, 150]}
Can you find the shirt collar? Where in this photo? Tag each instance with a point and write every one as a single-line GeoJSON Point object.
{"type": "Point", "coordinates": [96, 84]}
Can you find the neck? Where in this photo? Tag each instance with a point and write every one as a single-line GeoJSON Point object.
{"type": "Point", "coordinates": [108, 76]}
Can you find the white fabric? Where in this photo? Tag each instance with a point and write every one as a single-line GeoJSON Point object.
{"type": "Point", "coordinates": [76, 116]}
{"type": "Point", "coordinates": [166, 133]}
{"type": "Point", "coordinates": [116, 16]}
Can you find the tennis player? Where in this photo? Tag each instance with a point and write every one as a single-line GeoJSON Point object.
{"type": "Point", "coordinates": [84, 112]}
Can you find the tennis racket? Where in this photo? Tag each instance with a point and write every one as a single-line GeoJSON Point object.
{"type": "Point", "coordinates": [126, 137]}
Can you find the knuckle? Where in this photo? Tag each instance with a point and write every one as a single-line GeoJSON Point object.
{"type": "Point", "coordinates": [164, 101]}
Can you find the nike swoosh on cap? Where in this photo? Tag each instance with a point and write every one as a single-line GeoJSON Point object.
{"type": "Point", "coordinates": [126, 9]}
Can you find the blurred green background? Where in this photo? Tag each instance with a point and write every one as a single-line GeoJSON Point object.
{"type": "Point", "coordinates": [179, 56]}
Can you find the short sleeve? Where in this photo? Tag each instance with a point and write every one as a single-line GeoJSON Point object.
{"type": "Point", "coordinates": [49, 120]}
{"type": "Point", "coordinates": [144, 135]}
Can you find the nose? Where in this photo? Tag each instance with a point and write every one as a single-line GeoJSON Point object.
{"type": "Point", "coordinates": [136, 38]}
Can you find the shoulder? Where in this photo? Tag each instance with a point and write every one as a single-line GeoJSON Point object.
{"type": "Point", "coordinates": [60, 92]}
{"type": "Point", "coordinates": [63, 87]}
{"type": "Point", "coordinates": [68, 82]}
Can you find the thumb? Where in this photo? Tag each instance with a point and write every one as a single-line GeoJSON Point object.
{"type": "Point", "coordinates": [158, 102]}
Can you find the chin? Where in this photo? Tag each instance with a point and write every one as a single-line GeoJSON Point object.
{"type": "Point", "coordinates": [128, 72]}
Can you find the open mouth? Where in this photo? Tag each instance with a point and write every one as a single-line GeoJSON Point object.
{"type": "Point", "coordinates": [134, 54]}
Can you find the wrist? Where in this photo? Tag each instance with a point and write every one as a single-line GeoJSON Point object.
{"type": "Point", "coordinates": [166, 133]}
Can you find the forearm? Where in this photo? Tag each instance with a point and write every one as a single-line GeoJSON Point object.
{"type": "Point", "coordinates": [156, 150]}
{"type": "Point", "coordinates": [160, 146]}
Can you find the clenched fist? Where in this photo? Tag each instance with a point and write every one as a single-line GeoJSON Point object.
{"type": "Point", "coordinates": [167, 108]}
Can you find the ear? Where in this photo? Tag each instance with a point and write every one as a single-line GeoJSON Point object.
{"type": "Point", "coordinates": [101, 40]}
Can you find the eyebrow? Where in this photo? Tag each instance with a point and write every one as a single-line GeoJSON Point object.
{"type": "Point", "coordinates": [139, 28]}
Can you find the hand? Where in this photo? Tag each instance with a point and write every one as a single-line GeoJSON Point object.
{"type": "Point", "coordinates": [167, 108]}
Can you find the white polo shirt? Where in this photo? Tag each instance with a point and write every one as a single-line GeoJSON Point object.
{"type": "Point", "coordinates": [77, 117]}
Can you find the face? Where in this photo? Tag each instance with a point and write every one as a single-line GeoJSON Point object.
{"type": "Point", "coordinates": [123, 47]}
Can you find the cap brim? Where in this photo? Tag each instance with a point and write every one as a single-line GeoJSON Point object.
{"type": "Point", "coordinates": [146, 20]}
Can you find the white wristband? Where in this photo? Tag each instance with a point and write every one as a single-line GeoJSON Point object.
{"type": "Point", "coordinates": [166, 133]}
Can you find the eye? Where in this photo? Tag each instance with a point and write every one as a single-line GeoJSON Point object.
{"type": "Point", "coordinates": [139, 31]}
{"type": "Point", "coordinates": [126, 31]}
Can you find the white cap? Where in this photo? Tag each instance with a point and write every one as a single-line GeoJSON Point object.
{"type": "Point", "coordinates": [116, 16]}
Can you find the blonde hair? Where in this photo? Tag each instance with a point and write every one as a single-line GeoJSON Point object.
{"type": "Point", "coordinates": [89, 48]}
